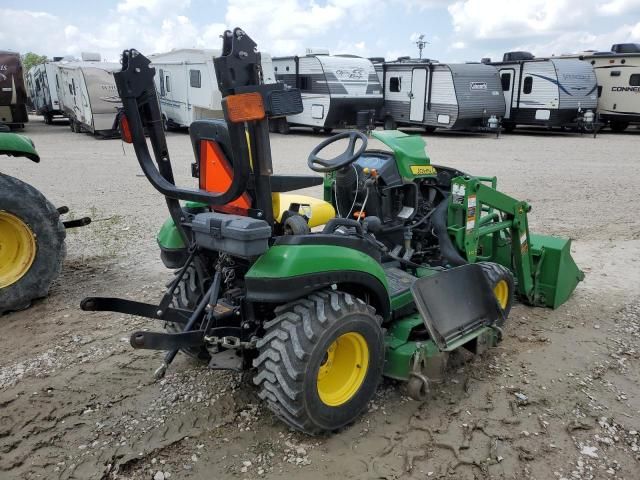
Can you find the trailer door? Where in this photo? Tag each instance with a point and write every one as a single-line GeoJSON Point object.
{"type": "Point", "coordinates": [507, 77]}
{"type": "Point", "coordinates": [418, 94]}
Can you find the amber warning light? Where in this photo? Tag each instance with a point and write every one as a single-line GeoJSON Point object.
{"type": "Point", "coordinates": [245, 107]}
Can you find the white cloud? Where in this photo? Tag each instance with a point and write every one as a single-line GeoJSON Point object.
{"type": "Point", "coordinates": [458, 45]}
{"type": "Point", "coordinates": [618, 7]}
{"type": "Point", "coordinates": [154, 7]}
{"type": "Point", "coordinates": [282, 27]}
{"type": "Point", "coordinates": [495, 19]}
{"type": "Point", "coordinates": [574, 42]}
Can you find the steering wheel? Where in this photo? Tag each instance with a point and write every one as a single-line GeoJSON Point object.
{"type": "Point", "coordinates": [321, 165]}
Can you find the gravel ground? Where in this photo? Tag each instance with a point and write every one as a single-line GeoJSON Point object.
{"type": "Point", "coordinates": [559, 399]}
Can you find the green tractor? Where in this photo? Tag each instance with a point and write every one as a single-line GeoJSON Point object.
{"type": "Point", "coordinates": [32, 235]}
{"type": "Point", "coordinates": [407, 262]}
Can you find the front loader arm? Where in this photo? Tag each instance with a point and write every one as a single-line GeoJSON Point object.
{"type": "Point", "coordinates": [486, 224]}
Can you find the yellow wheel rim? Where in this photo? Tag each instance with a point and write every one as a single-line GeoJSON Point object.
{"type": "Point", "coordinates": [17, 249]}
{"type": "Point", "coordinates": [343, 369]}
{"type": "Point", "coordinates": [501, 291]}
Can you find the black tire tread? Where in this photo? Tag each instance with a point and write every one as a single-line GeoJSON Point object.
{"type": "Point", "coordinates": [50, 241]}
{"type": "Point", "coordinates": [284, 348]}
{"type": "Point", "coordinates": [187, 295]}
{"type": "Point", "coordinates": [496, 272]}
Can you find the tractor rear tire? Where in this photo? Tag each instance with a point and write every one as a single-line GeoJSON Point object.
{"type": "Point", "coordinates": [32, 245]}
{"type": "Point", "coordinates": [320, 361]}
{"type": "Point", "coordinates": [502, 283]}
{"type": "Point", "coordinates": [187, 295]}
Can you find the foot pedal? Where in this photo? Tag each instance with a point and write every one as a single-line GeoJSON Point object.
{"type": "Point", "coordinates": [454, 303]}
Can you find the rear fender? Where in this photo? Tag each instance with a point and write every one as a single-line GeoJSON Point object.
{"type": "Point", "coordinates": [16, 145]}
{"type": "Point", "coordinates": [288, 272]}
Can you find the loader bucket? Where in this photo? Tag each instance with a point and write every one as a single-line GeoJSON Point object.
{"type": "Point", "coordinates": [556, 273]}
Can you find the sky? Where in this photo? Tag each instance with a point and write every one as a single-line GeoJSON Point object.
{"type": "Point", "coordinates": [463, 30]}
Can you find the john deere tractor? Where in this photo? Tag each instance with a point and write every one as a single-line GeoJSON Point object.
{"type": "Point", "coordinates": [31, 233]}
{"type": "Point", "coordinates": [403, 263]}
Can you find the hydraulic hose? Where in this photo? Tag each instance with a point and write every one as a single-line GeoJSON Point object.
{"type": "Point", "coordinates": [447, 248]}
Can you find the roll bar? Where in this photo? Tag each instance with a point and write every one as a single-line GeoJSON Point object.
{"type": "Point", "coordinates": [142, 109]}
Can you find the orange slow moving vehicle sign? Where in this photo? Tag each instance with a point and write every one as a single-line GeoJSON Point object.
{"type": "Point", "coordinates": [216, 176]}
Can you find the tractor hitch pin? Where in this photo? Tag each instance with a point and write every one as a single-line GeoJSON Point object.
{"type": "Point", "coordinates": [210, 297]}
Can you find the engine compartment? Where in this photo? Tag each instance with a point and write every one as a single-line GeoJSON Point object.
{"type": "Point", "coordinates": [372, 188]}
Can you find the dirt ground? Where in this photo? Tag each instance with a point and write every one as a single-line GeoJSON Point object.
{"type": "Point", "coordinates": [559, 399]}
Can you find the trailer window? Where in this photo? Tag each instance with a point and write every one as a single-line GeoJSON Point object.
{"type": "Point", "coordinates": [634, 80]}
{"type": "Point", "coordinates": [195, 78]}
{"type": "Point", "coordinates": [57, 82]}
{"type": "Point", "coordinates": [599, 91]}
{"type": "Point", "coordinates": [505, 78]}
{"type": "Point", "coordinates": [167, 83]}
{"type": "Point", "coordinates": [395, 84]}
{"type": "Point", "coordinates": [528, 85]}
{"type": "Point", "coordinates": [305, 83]}
{"type": "Point", "coordinates": [615, 73]}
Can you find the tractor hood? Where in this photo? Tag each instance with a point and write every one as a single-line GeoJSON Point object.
{"type": "Point", "coordinates": [16, 145]}
{"type": "Point", "coordinates": [409, 151]}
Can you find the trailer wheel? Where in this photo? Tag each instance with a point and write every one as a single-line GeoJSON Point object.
{"type": "Point", "coordinates": [390, 124]}
{"type": "Point", "coordinates": [508, 127]}
{"type": "Point", "coordinates": [31, 244]}
{"type": "Point", "coordinates": [327, 130]}
{"type": "Point", "coordinates": [48, 118]}
{"type": "Point", "coordinates": [618, 126]}
{"type": "Point", "coordinates": [283, 126]}
{"type": "Point", "coordinates": [187, 295]}
{"type": "Point", "coordinates": [320, 361]}
{"type": "Point", "coordinates": [502, 283]}
{"type": "Point", "coordinates": [429, 128]}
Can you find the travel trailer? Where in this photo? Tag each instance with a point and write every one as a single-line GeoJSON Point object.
{"type": "Point", "coordinates": [42, 90]}
{"type": "Point", "coordinates": [618, 76]}
{"type": "Point", "coordinates": [187, 86]}
{"type": "Point", "coordinates": [337, 90]}
{"type": "Point", "coordinates": [429, 94]}
{"type": "Point", "coordinates": [554, 92]}
{"type": "Point", "coordinates": [88, 96]}
{"type": "Point", "coordinates": [13, 95]}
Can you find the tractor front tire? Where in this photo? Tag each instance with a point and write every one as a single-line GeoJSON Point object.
{"type": "Point", "coordinates": [502, 283]}
{"type": "Point", "coordinates": [320, 361]}
{"type": "Point", "coordinates": [187, 295]}
{"type": "Point", "coordinates": [32, 245]}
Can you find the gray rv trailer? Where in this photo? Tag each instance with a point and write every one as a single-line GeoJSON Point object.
{"type": "Point", "coordinates": [618, 75]}
{"type": "Point", "coordinates": [41, 84]}
{"type": "Point", "coordinates": [336, 90]}
{"type": "Point", "coordinates": [88, 95]}
{"type": "Point", "coordinates": [430, 94]}
{"type": "Point", "coordinates": [553, 92]}
{"type": "Point", "coordinates": [13, 95]}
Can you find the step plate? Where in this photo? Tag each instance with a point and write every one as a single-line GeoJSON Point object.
{"type": "Point", "coordinates": [398, 280]}
{"type": "Point", "coordinates": [455, 303]}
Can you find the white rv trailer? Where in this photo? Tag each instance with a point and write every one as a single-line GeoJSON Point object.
{"type": "Point", "coordinates": [429, 94]}
{"type": "Point", "coordinates": [335, 89]}
{"type": "Point", "coordinates": [187, 86]}
{"type": "Point", "coordinates": [88, 95]}
{"type": "Point", "coordinates": [554, 92]}
{"type": "Point", "coordinates": [41, 86]}
{"type": "Point", "coordinates": [618, 76]}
